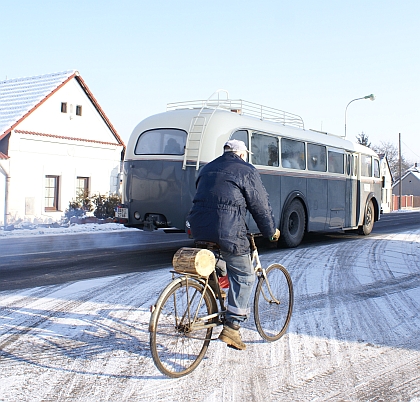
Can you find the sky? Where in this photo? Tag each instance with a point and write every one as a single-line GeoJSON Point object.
{"type": "Point", "coordinates": [307, 57]}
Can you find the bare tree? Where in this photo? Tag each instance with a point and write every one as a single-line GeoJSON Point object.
{"type": "Point", "coordinates": [363, 139]}
{"type": "Point", "coordinates": [391, 152]}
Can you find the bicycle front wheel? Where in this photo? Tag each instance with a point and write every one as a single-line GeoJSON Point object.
{"type": "Point", "coordinates": [273, 303]}
{"type": "Point", "coordinates": [179, 334]}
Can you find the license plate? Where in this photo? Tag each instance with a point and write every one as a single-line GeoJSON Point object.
{"type": "Point", "coordinates": [121, 213]}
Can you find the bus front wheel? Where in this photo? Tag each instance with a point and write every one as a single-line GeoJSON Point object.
{"type": "Point", "coordinates": [293, 224]}
{"type": "Point", "coordinates": [369, 219]}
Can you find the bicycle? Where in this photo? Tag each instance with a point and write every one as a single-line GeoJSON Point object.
{"type": "Point", "coordinates": [186, 312]}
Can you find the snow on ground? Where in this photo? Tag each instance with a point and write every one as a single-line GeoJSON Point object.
{"type": "Point", "coordinates": [63, 230]}
{"type": "Point", "coordinates": [354, 335]}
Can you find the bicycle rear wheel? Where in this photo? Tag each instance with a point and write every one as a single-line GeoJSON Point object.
{"type": "Point", "coordinates": [273, 310]}
{"type": "Point", "coordinates": [178, 336]}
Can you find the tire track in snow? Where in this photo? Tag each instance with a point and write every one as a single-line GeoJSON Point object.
{"type": "Point", "coordinates": [351, 357]}
{"type": "Point", "coordinates": [39, 319]}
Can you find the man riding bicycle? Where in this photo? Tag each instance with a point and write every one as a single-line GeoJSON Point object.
{"type": "Point", "coordinates": [227, 188]}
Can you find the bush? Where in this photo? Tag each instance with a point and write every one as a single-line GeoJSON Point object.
{"type": "Point", "coordinates": [79, 206]}
{"type": "Point", "coordinates": [105, 205]}
{"type": "Point", "coordinates": [102, 205]}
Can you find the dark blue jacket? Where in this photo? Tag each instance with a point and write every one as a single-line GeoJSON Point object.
{"type": "Point", "coordinates": [227, 188]}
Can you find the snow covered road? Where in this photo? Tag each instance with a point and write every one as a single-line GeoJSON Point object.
{"type": "Point", "coordinates": [354, 335]}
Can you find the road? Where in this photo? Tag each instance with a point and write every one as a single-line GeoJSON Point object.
{"type": "Point", "coordinates": [354, 333]}
{"type": "Point", "coordinates": [48, 260]}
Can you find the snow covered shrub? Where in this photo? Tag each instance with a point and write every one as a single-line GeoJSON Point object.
{"type": "Point", "coordinates": [80, 206]}
{"type": "Point", "coordinates": [105, 205]}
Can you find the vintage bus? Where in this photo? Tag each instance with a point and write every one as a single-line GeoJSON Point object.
{"type": "Point", "coordinates": [316, 181]}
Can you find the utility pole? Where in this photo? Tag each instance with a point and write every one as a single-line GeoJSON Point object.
{"type": "Point", "coordinates": [400, 169]}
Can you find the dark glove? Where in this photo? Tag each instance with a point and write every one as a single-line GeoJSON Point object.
{"type": "Point", "coordinates": [275, 236]}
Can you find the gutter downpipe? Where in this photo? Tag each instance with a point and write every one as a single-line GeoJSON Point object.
{"type": "Point", "coordinates": [6, 194]}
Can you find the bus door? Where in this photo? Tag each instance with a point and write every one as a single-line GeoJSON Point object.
{"type": "Point", "coordinates": [317, 187]}
{"type": "Point", "coordinates": [366, 184]}
{"type": "Point", "coordinates": [352, 191]}
{"type": "Point", "coordinates": [336, 189]}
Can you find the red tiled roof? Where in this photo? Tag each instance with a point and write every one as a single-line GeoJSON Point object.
{"type": "Point", "coordinates": [28, 94]}
{"type": "Point", "coordinates": [46, 93]}
{"type": "Point", "coordinates": [98, 108]}
{"type": "Point", "coordinates": [62, 137]}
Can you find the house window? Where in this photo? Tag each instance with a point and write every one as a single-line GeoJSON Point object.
{"type": "Point", "coordinates": [63, 107]}
{"type": "Point", "coordinates": [51, 193]}
{"type": "Point", "coordinates": [82, 186]}
{"type": "Point", "coordinates": [78, 110]}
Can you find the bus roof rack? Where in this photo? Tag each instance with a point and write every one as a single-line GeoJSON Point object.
{"type": "Point", "coordinates": [242, 107]}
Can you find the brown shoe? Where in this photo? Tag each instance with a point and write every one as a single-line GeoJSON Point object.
{"type": "Point", "coordinates": [232, 337]}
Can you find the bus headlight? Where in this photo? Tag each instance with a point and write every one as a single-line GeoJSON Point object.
{"type": "Point", "coordinates": [137, 215]}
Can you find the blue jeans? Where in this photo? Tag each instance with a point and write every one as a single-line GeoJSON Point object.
{"type": "Point", "coordinates": [241, 280]}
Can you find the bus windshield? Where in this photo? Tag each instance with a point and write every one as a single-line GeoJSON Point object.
{"type": "Point", "coordinates": [168, 141]}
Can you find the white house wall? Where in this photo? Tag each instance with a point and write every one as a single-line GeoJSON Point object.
{"type": "Point", "coordinates": [2, 197]}
{"type": "Point", "coordinates": [34, 157]}
{"type": "Point", "coordinates": [49, 119]}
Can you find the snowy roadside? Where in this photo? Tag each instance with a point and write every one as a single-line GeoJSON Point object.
{"type": "Point", "coordinates": [354, 335]}
{"type": "Point", "coordinates": [51, 230]}
{"type": "Point", "coordinates": [64, 230]}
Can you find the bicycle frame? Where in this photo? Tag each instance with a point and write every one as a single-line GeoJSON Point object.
{"type": "Point", "coordinates": [259, 270]}
{"type": "Point", "coordinates": [198, 323]}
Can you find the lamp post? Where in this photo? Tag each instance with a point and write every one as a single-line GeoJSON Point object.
{"type": "Point", "coordinates": [371, 97]}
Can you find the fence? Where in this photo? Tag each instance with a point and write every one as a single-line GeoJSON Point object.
{"type": "Point", "coordinates": [407, 202]}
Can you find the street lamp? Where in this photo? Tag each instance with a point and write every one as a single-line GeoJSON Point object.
{"type": "Point", "coordinates": [371, 97]}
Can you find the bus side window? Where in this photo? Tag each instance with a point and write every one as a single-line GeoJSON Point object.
{"type": "Point", "coordinates": [335, 162]}
{"type": "Point", "coordinates": [317, 160]}
{"type": "Point", "coordinates": [376, 172]}
{"type": "Point", "coordinates": [366, 166]}
{"type": "Point", "coordinates": [348, 164]}
{"type": "Point", "coordinates": [265, 150]}
{"type": "Point", "coordinates": [241, 135]}
{"type": "Point", "coordinates": [355, 165]}
{"type": "Point", "coordinates": [293, 154]}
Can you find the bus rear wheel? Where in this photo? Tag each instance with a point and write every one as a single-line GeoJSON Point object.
{"type": "Point", "coordinates": [369, 219]}
{"type": "Point", "coordinates": [293, 224]}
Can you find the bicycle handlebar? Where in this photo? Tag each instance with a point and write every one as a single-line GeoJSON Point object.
{"type": "Point", "coordinates": [251, 237]}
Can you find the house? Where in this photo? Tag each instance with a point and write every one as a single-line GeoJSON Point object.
{"type": "Point", "coordinates": [386, 195]}
{"type": "Point", "coordinates": [55, 140]}
{"type": "Point", "coordinates": [410, 182]}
